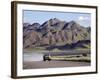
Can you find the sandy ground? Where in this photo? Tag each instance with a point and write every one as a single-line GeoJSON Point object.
{"type": "Point", "coordinates": [52, 64]}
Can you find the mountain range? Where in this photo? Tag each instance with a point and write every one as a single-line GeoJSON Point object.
{"type": "Point", "coordinates": [56, 33]}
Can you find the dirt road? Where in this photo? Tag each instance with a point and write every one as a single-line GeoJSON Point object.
{"type": "Point", "coordinates": [53, 64]}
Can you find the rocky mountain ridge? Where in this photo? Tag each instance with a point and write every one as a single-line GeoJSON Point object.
{"type": "Point", "coordinates": [54, 32]}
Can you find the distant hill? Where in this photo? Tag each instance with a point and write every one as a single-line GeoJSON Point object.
{"type": "Point", "coordinates": [55, 32]}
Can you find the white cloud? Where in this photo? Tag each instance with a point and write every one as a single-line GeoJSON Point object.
{"type": "Point", "coordinates": [81, 18]}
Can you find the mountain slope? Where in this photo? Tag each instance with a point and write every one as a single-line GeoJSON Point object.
{"type": "Point", "coordinates": [54, 32]}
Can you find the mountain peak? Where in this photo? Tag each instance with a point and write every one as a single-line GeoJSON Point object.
{"type": "Point", "coordinates": [26, 24]}
{"type": "Point", "coordinates": [73, 25]}
{"type": "Point", "coordinates": [35, 24]}
{"type": "Point", "coordinates": [73, 22]}
{"type": "Point", "coordinates": [54, 20]}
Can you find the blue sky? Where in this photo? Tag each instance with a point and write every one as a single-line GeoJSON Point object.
{"type": "Point", "coordinates": [31, 16]}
